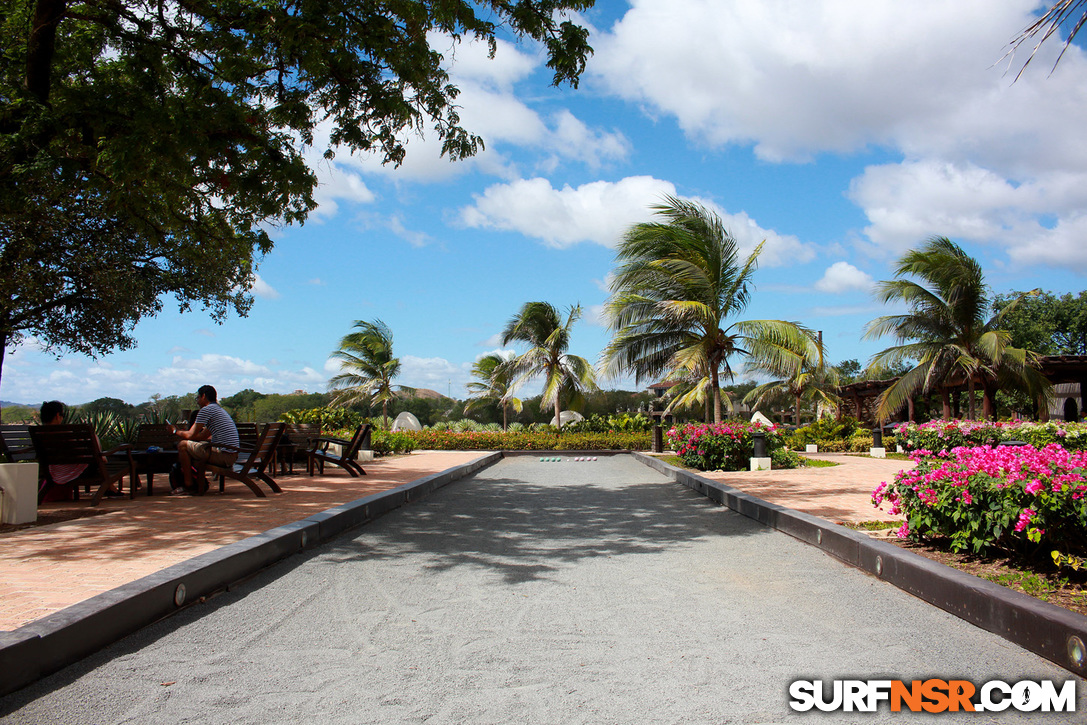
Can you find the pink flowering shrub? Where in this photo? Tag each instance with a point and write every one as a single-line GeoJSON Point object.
{"type": "Point", "coordinates": [943, 435]}
{"type": "Point", "coordinates": [981, 498]}
{"type": "Point", "coordinates": [725, 446]}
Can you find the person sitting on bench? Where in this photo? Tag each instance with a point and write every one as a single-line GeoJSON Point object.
{"type": "Point", "coordinates": [211, 440]}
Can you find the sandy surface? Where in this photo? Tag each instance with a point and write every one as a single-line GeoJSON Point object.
{"type": "Point", "coordinates": [536, 593]}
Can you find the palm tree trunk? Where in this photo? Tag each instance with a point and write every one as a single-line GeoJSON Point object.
{"type": "Point", "coordinates": [988, 401]}
{"type": "Point", "coordinates": [970, 388]}
{"type": "Point", "coordinates": [505, 414]}
{"type": "Point", "coordinates": [385, 413]}
{"type": "Point", "coordinates": [715, 384]}
{"type": "Point", "coordinates": [558, 411]}
{"type": "Point", "coordinates": [797, 414]}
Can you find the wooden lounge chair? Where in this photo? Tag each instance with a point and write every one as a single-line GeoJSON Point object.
{"type": "Point", "coordinates": [78, 444]}
{"type": "Point", "coordinates": [15, 443]}
{"type": "Point", "coordinates": [154, 435]}
{"type": "Point", "coordinates": [320, 454]}
{"type": "Point", "coordinates": [248, 433]}
{"type": "Point", "coordinates": [251, 465]}
{"type": "Point", "coordinates": [296, 444]}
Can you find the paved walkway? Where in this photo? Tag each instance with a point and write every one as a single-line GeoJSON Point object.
{"type": "Point", "coordinates": [44, 569]}
{"type": "Point", "coordinates": [842, 493]}
{"type": "Point", "coordinates": [530, 592]}
{"type": "Point", "coordinates": [47, 568]}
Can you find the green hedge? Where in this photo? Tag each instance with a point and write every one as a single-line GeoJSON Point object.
{"type": "Point", "coordinates": [525, 441]}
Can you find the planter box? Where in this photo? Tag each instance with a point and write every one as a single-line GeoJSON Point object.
{"type": "Point", "coordinates": [19, 502]}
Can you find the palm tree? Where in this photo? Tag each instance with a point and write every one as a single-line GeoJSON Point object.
{"type": "Point", "coordinates": [946, 330]}
{"type": "Point", "coordinates": [566, 376]}
{"type": "Point", "coordinates": [368, 365]}
{"type": "Point", "coordinates": [812, 381]}
{"type": "Point", "coordinates": [1061, 14]}
{"type": "Point", "coordinates": [494, 385]}
{"type": "Point", "coordinates": [678, 283]}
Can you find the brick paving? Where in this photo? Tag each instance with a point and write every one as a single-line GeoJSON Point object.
{"type": "Point", "coordinates": [44, 569]}
{"type": "Point", "coordinates": [841, 494]}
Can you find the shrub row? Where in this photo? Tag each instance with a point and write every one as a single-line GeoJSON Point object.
{"type": "Point", "coordinates": [432, 439]}
{"type": "Point", "coordinates": [980, 498]}
{"type": "Point", "coordinates": [945, 435]}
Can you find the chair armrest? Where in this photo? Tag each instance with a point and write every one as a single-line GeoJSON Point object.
{"type": "Point", "coordinates": [118, 449]}
{"type": "Point", "coordinates": [316, 442]}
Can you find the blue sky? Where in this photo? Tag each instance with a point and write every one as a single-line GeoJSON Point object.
{"type": "Point", "coordinates": [842, 133]}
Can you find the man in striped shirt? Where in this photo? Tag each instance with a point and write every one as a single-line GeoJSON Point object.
{"type": "Point", "coordinates": [212, 440]}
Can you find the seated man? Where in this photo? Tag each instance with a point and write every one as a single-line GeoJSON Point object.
{"type": "Point", "coordinates": [211, 440]}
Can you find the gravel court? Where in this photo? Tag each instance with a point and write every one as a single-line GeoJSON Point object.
{"type": "Point", "coordinates": [573, 592]}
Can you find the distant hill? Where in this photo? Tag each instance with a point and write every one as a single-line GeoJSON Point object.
{"type": "Point", "coordinates": [420, 393]}
{"type": "Point", "coordinates": [9, 404]}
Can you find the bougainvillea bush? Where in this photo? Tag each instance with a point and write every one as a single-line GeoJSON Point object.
{"type": "Point", "coordinates": [727, 446]}
{"type": "Point", "coordinates": [944, 435]}
{"type": "Point", "coordinates": [981, 498]}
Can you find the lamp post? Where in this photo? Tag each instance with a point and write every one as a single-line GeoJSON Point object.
{"type": "Point", "coordinates": [657, 445]}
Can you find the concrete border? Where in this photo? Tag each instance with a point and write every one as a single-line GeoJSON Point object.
{"type": "Point", "coordinates": [1047, 630]}
{"type": "Point", "coordinates": [57, 640]}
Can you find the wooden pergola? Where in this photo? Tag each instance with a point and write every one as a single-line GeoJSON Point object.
{"type": "Point", "coordinates": [1056, 369]}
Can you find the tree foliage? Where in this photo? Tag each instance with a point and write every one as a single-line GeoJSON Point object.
{"type": "Point", "coordinates": [566, 377]}
{"type": "Point", "coordinates": [146, 146]}
{"type": "Point", "coordinates": [946, 330]}
{"type": "Point", "coordinates": [369, 368]}
{"type": "Point", "coordinates": [678, 284]}
{"type": "Point", "coordinates": [1045, 323]}
{"type": "Point", "coordinates": [493, 386]}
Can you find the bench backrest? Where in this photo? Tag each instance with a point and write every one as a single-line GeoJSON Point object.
{"type": "Point", "coordinates": [65, 444]}
{"type": "Point", "coordinates": [263, 448]}
{"type": "Point", "coordinates": [359, 442]}
{"type": "Point", "coordinates": [16, 444]}
{"type": "Point", "coordinates": [248, 435]}
{"type": "Point", "coordinates": [155, 434]}
{"type": "Point", "coordinates": [302, 434]}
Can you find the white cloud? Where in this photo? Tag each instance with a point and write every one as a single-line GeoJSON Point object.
{"type": "Point", "coordinates": [595, 212]}
{"type": "Point", "coordinates": [800, 78]}
{"type": "Point", "coordinates": [76, 379]}
{"type": "Point", "coordinates": [984, 158]}
{"type": "Point", "coordinates": [470, 61]}
{"type": "Point", "coordinates": [434, 373]}
{"type": "Point", "coordinates": [906, 203]}
{"type": "Point", "coordinates": [262, 289]}
{"type": "Point", "coordinates": [601, 211]}
{"type": "Point", "coordinates": [843, 277]}
{"type": "Point", "coordinates": [414, 238]}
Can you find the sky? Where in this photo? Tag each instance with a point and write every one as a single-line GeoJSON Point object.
{"type": "Point", "coordinates": [842, 133]}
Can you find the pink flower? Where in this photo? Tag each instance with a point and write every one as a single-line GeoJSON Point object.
{"type": "Point", "coordinates": [1024, 519]}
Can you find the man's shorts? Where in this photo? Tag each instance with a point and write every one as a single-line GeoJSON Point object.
{"type": "Point", "coordinates": [205, 452]}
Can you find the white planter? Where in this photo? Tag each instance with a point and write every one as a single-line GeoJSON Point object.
{"type": "Point", "coordinates": [19, 502]}
{"type": "Point", "coordinates": [760, 464]}
{"type": "Point", "coordinates": [811, 448]}
{"type": "Point", "coordinates": [878, 452]}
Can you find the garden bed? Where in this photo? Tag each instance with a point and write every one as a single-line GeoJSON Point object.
{"type": "Point", "coordinates": [1064, 589]}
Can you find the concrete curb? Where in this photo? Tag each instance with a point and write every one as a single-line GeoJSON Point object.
{"type": "Point", "coordinates": [1047, 630]}
{"type": "Point", "coordinates": [55, 641]}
